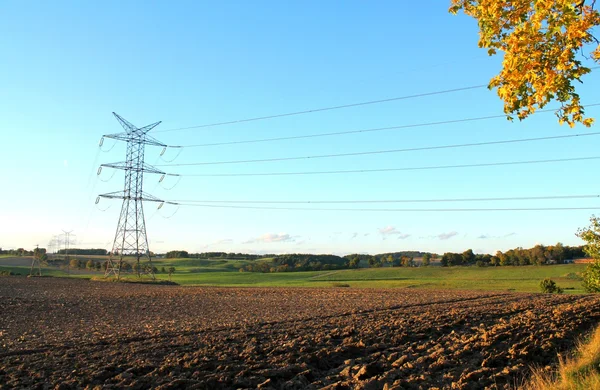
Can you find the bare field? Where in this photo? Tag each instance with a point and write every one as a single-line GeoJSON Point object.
{"type": "Point", "coordinates": [69, 333]}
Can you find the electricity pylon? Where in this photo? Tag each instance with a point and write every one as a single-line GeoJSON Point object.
{"type": "Point", "coordinates": [67, 236]}
{"type": "Point", "coordinates": [36, 261]}
{"type": "Point", "coordinates": [131, 238]}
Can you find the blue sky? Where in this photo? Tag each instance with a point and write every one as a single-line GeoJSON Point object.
{"type": "Point", "coordinates": [66, 66]}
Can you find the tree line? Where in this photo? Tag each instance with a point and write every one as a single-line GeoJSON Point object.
{"type": "Point", "coordinates": [538, 255]}
{"type": "Point", "coordinates": [84, 252]}
{"type": "Point", "coordinates": [16, 252]}
{"type": "Point", "coordinates": [393, 259]}
{"type": "Point", "coordinates": [297, 262]}
{"type": "Point", "coordinates": [181, 254]}
{"type": "Point", "coordinates": [309, 262]}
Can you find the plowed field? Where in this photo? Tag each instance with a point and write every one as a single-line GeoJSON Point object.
{"type": "Point", "coordinates": [66, 333]}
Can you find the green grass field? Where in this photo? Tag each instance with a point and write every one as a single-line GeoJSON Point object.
{"type": "Point", "coordinates": [226, 273]}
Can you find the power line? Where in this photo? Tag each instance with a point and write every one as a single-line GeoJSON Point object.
{"type": "Point", "coordinates": [394, 210]}
{"type": "Point", "coordinates": [551, 197]}
{"type": "Point", "coordinates": [451, 121]}
{"type": "Point", "coordinates": [391, 169]}
{"type": "Point", "coordinates": [384, 151]}
{"type": "Point", "coordinates": [328, 108]}
{"type": "Point", "coordinates": [334, 107]}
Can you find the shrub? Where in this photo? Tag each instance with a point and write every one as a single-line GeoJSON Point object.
{"type": "Point", "coordinates": [591, 277]}
{"type": "Point", "coordinates": [549, 286]}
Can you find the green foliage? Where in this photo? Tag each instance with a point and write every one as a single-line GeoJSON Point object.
{"type": "Point", "coordinates": [591, 235]}
{"type": "Point", "coordinates": [229, 256]}
{"type": "Point", "coordinates": [177, 255]}
{"type": "Point", "coordinates": [84, 252]}
{"type": "Point", "coordinates": [549, 286]}
{"type": "Point", "coordinates": [538, 255]}
{"type": "Point", "coordinates": [591, 277]}
{"type": "Point", "coordinates": [306, 262]}
{"type": "Point", "coordinates": [426, 259]}
{"type": "Point", "coordinates": [450, 259]}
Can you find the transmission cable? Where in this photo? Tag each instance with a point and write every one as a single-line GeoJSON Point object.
{"type": "Point", "coordinates": [445, 122]}
{"type": "Point", "coordinates": [442, 200]}
{"type": "Point", "coordinates": [393, 210]}
{"type": "Point", "coordinates": [327, 108]}
{"type": "Point", "coordinates": [389, 169]}
{"type": "Point", "coordinates": [383, 151]}
{"type": "Point", "coordinates": [334, 107]}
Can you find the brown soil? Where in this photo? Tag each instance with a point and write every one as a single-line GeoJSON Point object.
{"type": "Point", "coordinates": [66, 333]}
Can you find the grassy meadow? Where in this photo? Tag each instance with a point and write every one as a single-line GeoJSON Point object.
{"type": "Point", "coordinates": [222, 272]}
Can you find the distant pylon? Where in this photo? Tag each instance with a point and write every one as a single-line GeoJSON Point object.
{"type": "Point", "coordinates": [36, 261]}
{"type": "Point", "coordinates": [130, 237]}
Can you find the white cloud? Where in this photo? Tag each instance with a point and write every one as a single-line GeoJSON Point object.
{"type": "Point", "coordinates": [392, 231]}
{"type": "Point", "coordinates": [446, 236]}
{"type": "Point", "coordinates": [489, 236]}
{"type": "Point", "coordinates": [272, 237]}
{"type": "Point", "coordinates": [388, 230]}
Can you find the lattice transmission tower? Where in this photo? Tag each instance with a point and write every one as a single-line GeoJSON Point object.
{"type": "Point", "coordinates": [130, 237]}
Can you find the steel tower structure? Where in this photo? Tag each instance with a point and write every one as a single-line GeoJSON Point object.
{"type": "Point", "coordinates": [130, 237]}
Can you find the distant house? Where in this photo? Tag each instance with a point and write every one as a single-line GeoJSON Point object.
{"type": "Point", "coordinates": [583, 261]}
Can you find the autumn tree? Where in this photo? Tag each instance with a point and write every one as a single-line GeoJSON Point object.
{"type": "Point", "coordinates": [543, 42]}
{"type": "Point", "coordinates": [406, 261]}
{"type": "Point", "coordinates": [495, 260]}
